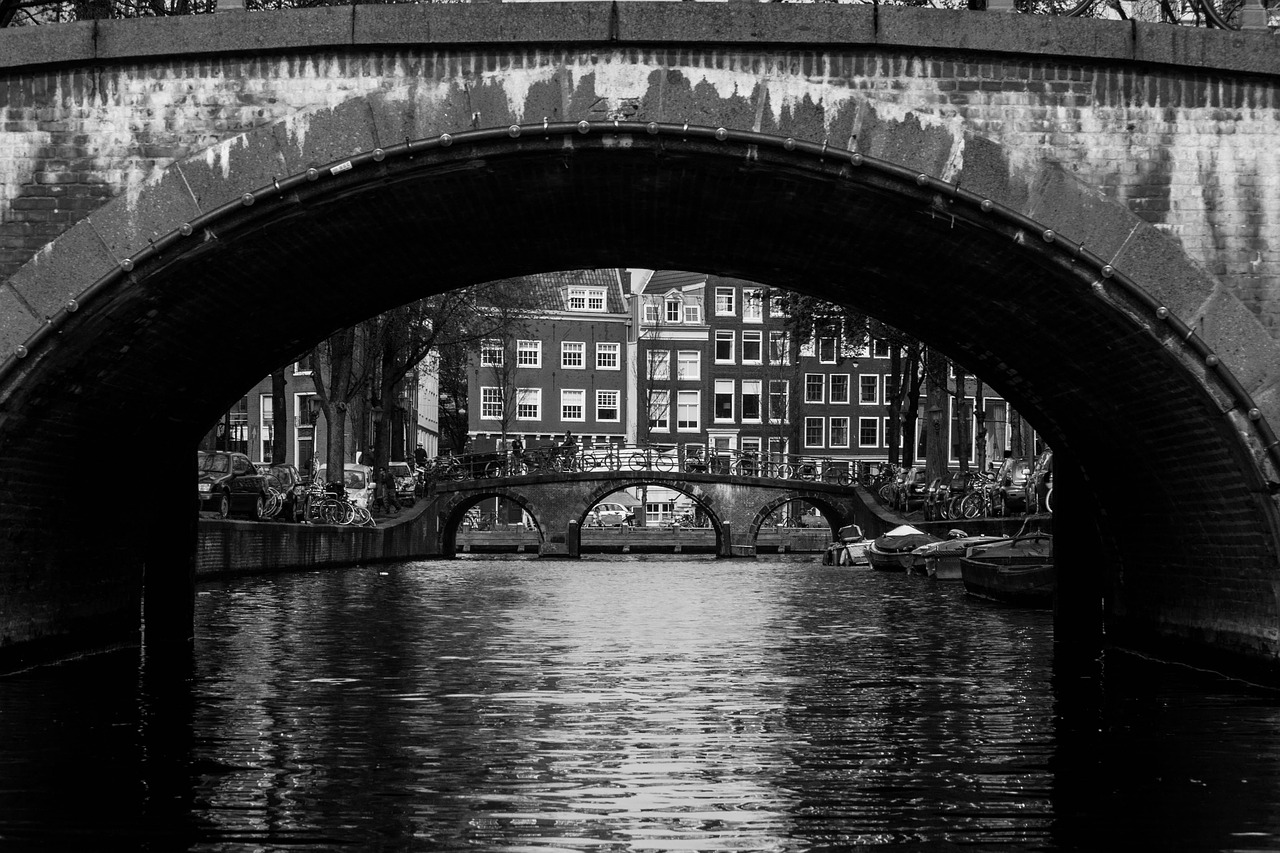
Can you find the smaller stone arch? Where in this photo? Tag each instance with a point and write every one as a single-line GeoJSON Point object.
{"type": "Point", "coordinates": [451, 512]}
{"type": "Point", "coordinates": [836, 517]}
{"type": "Point", "coordinates": [704, 497]}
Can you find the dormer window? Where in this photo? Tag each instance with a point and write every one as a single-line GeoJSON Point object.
{"type": "Point", "coordinates": [674, 312]}
{"type": "Point", "coordinates": [586, 299]}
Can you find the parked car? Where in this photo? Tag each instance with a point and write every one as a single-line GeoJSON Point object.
{"type": "Point", "coordinates": [406, 483]}
{"type": "Point", "coordinates": [356, 479]}
{"type": "Point", "coordinates": [1039, 483]}
{"type": "Point", "coordinates": [912, 490]}
{"type": "Point", "coordinates": [288, 480]}
{"type": "Point", "coordinates": [1011, 480]}
{"type": "Point", "coordinates": [611, 515]}
{"type": "Point", "coordinates": [229, 484]}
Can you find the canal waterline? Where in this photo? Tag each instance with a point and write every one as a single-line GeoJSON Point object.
{"type": "Point", "coordinates": [630, 703]}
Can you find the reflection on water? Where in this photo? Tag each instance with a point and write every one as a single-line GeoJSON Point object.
{"type": "Point", "coordinates": [629, 704]}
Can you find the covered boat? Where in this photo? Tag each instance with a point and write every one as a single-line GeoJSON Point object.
{"type": "Point", "coordinates": [942, 559]}
{"type": "Point", "coordinates": [893, 552]}
{"type": "Point", "coordinates": [849, 550]}
{"type": "Point", "coordinates": [1014, 571]}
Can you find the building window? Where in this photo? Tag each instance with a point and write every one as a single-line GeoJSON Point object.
{"type": "Point", "coordinates": [490, 404]}
{"type": "Point", "coordinates": [723, 408]}
{"type": "Point", "coordinates": [660, 410]}
{"type": "Point", "coordinates": [573, 355]}
{"type": "Point", "coordinates": [687, 415]}
{"type": "Point", "coordinates": [689, 364]}
{"type": "Point", "coordinates": [890, 388]}
{"type": "Point", "coordinates": [778, 400]}
{"type": "Point", "coordinates": [659, 364]}
{"type": "Point", "coordinates": [266, 425]}
{"type": "Point", "coordinates": [573, 404]}
{"type": "Point", "coordinates": [779, 353]}
{"type": "Point", "coordinates": [607, 407]}
{"type": "Point", "coordinates": [752, 305]}
{"type": "Point", "coordinates": [302, 367]}
{"type": "Point", "coordinates": [839, 432]}
{"type": "Point", "coordinates": [586, 299]}
{"type": "Point", "coordinates": [880, 349]}
{"type": "Point", "coordinates": [778, 304]}
{"type": "Point", "coordinates": [607, 356]}
{"type": "Point", "coordinates": [724, 346]}
{"type": "Point", "coordinates": [751, 347]}
{"type": "Point", "coordinates": [868, 387]}
{"type": "Point", "coordinates": [529, 353]}
{"type": "Point", "coordinates": [673, 311]}
{"type": "Point", "coordinates": [724, 302]}
{"type": "Point", "coordinates": [868, 432]}
{"type": "Point", "coordinates": [827, 350]}
{"type": "Point", "coordinates": [813, 383]}
{"type": "Point", "coordinates": [651, 314]}
{"type": "Point", "coordinates": [492, 354]}
{"type": "Point", "coordinates": [813, 432]}
{"type": "Point", "coordinates": [692, 312]}
{"type": "Point", "coordinates": [751, 400]}
{"type": "Point", "coordinates": [839, 387]}
{"type": "Point", "coordinates": [528, 404]}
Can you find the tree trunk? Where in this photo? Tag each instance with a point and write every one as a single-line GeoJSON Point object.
{"type": "Point", "coordinates": [279, 417]}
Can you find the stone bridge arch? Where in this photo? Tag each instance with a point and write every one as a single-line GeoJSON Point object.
{"type": "Point", "coordinates": [1120, 348]}
{"type": "Point", "coordinates": [450, 511]}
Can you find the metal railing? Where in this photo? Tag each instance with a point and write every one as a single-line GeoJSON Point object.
{"type": "Point", "coordinates": [643, 458]}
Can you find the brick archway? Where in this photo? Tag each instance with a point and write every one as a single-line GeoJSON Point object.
{"type": "Point", "coordinates": [1052, 295]}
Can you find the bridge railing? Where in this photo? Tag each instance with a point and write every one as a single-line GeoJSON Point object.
{"type": "Point", "coordinates": [665, 458]}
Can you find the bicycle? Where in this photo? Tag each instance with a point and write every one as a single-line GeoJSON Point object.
{"type": "Point", "coordinates": [651, 459]}
{"type": "Point", "coordinates": [984, 501]}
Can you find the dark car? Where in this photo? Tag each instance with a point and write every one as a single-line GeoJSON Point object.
{"type": "Point", "coordinates": [1010, 486]}
{"type": "Point", "coordinates": [913, 490]}
{"type": "Point", "coordinates": [288, 480]}
{"type": "Point", "coordinates": [1039, 483]}
{"type": "Point", "coordinates": [228, 484]}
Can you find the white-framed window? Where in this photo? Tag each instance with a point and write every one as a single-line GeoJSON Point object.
{"type": "Point", "coordinates": [689, 364]}
{"type": "Point", "coordinates": [607, 356]}
{"type": "Point", "coordinates": [722, 410]}
{"type": "Point", "coordinates": [302, 367]}
{"type": "Point", "coordinates": [751, 389]}
{"type": "Point", "coordinates": [839, 432]}
{"type": "Point", "coordinates": [586, 299]}
{"type": "Point", "coordinates": [490, 403]}
{"type": "Point", "coordinates": [306, 413]}
{"type": "Point", "coordinates": [869, 432]}
{"type": "Point", "coordinates": [890, 388]}
{"type": "Point", "coordinates": [660, 411]}
{"type": "Point", "coordinates": [778, 304]}
{"type": "Point", "coordinates": [752, 344]}
{"type": "Point", "coordinates": [528, 404]}
{"type": "Point", "coordinates": [827, 350]}
{"type": "Point", "coordinates": [528, 353]}
{"type": "Point", "coordinates": [652, 311]}
{"type": "Point", "coordinates": [724, 346]}
{"type": "Point", "coordinates": [880, 348]}
{"type": "Point", "coordinates": [725, 306]}
{"type": "Point", "coordinates": [813, 430]}
{"type": "Point", "coordinates": [813, 387]}
{"type": "Point", "coordinates": [868, 389]}
{"type": "Point", "coordinates": [659, 364]}
{"type": "Point", "coordinates": [492, 353]}
{"type": "Point", "coordinates": [607, 408]}
{"type": "Point", "coordinates": [779, 351]}
{"type": "Point", "coordinates": [266, 425]}
{"type": "Point", "coordinates": [752, 305]}
{"type": "Point", "coordinates": [573, 404]}
{"type": "Point", "coordinates": [573, 355]}
{"type": "Point", "coordinates": [692, 312]}
{"type": "Point", "coordinates": [839, 388]}
{"type": "Point", "coordinates": [778, 391]}
{"type": "Point", "coordinates": [675, 311]}
{"type": "Point", "coordinates": [862, 350]}
{"type": "Point", "coordinates": [688, 415]}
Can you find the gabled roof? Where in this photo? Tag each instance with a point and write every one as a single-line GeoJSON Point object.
{"type": "Point", "coordinates": [663, 281]}
{"type": "Point", "coordinates": [552, 289]}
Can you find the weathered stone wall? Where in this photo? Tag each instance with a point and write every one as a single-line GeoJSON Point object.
{"type": "Point", "coordinates": [89, 112]}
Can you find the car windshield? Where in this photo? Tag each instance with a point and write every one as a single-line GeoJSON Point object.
{"type": "Point", "coordinates": [399, 469]}
{"type": "Point", "coordinates": [216, 463]}
{"type": "Point", "coordinates": [353, 479]}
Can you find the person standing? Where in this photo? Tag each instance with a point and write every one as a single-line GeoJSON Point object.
{"type": "Point", "coordinates": [517, 456]}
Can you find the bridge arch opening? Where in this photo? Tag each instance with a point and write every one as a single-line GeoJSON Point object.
{"type": "Point", "coordinates": [455, 514]}
{"type": "Point", "coordinates": [701, 498]}
{"type": "Point", "coordinates": [1080, 340]}
{"type": "Point", "coordinates": [771, 513]}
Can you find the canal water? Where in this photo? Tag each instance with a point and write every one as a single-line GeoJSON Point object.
{"type": "Point", "coordinates": [647, 704]}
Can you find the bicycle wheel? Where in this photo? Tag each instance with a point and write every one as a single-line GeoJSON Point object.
{"type": "Point", "coordinates": [493, 469]}
{"type": "Point", "coordinates": [639, 462]}
{"type": "Point", "coordinates": [344, 512]}
{"type": "Point", "coordinates": [662, 462]}
{"type": "Point", "coordinates": [1048, 500]}
{"type": "Point", "coordinates": [361, 517]}
{"type": "Point", "coordinates": [971, 505]}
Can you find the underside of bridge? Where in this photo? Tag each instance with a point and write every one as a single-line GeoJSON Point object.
{"type": "Point", "coordinates": [1167, 518]}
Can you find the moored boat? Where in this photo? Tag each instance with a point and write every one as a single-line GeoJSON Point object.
{"type": "Point", "coordinates": [894, 551]}
{"type": "Point", "coordinates": [849, 550]}
{"type": "Point", "coordinates": [1018, 571]}
{"type": "Point", "coordinates": [942, 559]}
